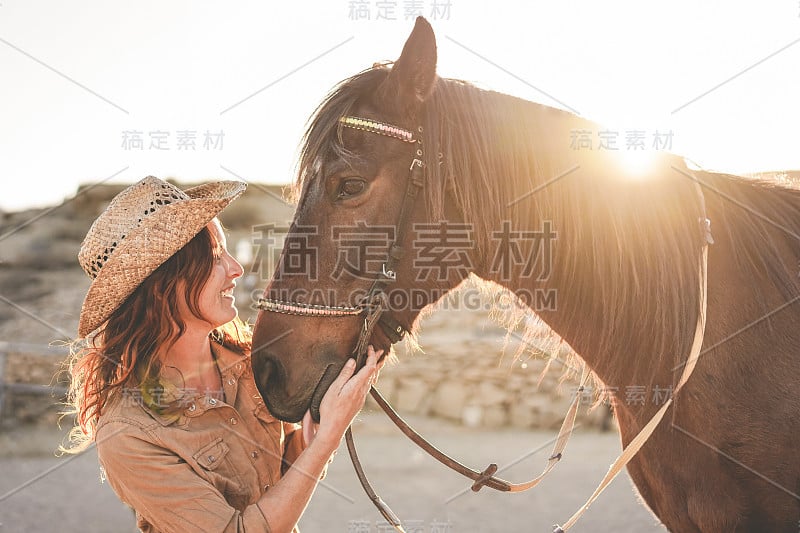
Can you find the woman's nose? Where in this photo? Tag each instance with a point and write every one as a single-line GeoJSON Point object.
{"type": "Point", "coordinates": [235, 269]}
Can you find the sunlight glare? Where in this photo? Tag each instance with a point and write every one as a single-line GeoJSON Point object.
{"type": "Point", "coordinates": [636, 164]}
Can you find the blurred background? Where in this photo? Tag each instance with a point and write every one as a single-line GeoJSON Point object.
{"type": "Point", "coordinates": [97, 95]}
{"type": "Point", "coordinates": [475, 386]}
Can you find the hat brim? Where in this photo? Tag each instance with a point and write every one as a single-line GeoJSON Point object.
{"type": "Point", "coordinates": [143, 250]}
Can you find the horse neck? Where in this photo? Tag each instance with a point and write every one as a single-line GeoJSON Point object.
{"type": "Point", "coordinates": [621, 284]}
{"type": "Point", "coordinates": [625, 257]}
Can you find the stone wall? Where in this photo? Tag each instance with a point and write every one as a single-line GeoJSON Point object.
{"type": "Point", "coordinates": [36, 385]}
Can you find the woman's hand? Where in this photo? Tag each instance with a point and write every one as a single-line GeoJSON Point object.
{"type": "Point", "coordinates": [310, 428]}
{"type": "Point", "coordinates": [342, 401]}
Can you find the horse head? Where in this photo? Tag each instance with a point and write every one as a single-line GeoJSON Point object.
{"type": "Point", "coordinates": [349, 246]}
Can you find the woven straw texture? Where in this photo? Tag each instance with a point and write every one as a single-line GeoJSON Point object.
{"type": "Point", "coordinates": [143, 226]}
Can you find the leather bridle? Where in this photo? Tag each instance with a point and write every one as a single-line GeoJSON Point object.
{"type": "Point", "coordinates": [374, 307]}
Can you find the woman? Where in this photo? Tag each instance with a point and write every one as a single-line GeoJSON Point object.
{"type": "Point", "coordinates": [162, 383]}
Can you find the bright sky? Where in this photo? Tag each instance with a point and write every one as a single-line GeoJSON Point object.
{"type": "Point", "coordinates": [76, 76]}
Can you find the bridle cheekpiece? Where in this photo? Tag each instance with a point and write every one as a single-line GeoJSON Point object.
{"type": "Point", "coordinates": [374, 305]}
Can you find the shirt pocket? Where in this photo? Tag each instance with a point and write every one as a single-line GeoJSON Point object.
{"type": "Point", "coordinates": [216, 466]}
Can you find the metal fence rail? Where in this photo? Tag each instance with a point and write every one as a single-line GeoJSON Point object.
{"type": "Point", "coordinates": [21, 348]}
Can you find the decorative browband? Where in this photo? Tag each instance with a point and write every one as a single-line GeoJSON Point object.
{"type": "Point", "coordinates": [381, 128]}
{"type": "Point", "coordinates": [304, 309]}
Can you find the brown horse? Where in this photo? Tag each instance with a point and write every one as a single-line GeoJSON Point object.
{"type": "Point", "coordinates": [608, 262]}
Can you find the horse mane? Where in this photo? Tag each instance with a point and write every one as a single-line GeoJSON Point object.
{"type": "Point", "coordinates": [760, 218]}
{"type": "Point", "coordinates": [625, 260]}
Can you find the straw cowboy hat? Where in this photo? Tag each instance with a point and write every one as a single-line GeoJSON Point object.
{"type": "Point", "coordinates": [142, 227]}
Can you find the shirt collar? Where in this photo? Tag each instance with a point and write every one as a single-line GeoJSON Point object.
{"type": "Point", "coordinates": [230, 363]}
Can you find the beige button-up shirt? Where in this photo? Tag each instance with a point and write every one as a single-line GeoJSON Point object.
{"type": "Point", "coordinates": [203, 469]}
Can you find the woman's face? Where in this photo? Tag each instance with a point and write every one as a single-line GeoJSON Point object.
{"type": "Point", "coordinates": [216, 298]}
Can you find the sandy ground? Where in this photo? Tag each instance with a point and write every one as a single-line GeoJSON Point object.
{"type": "Point", "coordinates": [40, 492]}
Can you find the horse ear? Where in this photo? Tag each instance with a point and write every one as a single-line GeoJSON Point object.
{"type": "Point", "coordinates": [413, 75]}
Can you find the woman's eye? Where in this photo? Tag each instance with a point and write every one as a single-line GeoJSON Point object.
{"type": "Point", "coordinates": [350, 187]}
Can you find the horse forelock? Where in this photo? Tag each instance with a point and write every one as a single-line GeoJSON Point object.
{"type": "Point", "coordinates": [322, 140]}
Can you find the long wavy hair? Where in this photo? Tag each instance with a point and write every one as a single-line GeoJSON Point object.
{"type": "Point", "coordinates": [125, 355]}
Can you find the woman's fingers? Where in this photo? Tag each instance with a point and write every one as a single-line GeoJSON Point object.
{"type": "Point", "coordinates": [344, 375]}
{"type": "Point", "coordinates": [370, 370]}
{"type": "Point", "coordinates": [345, 398]}
{"type": "Point", "coordinates": [355, 384]}
{"type": "Point", "coordinates": [364, 375]}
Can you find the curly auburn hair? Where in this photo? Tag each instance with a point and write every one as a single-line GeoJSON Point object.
{"type": "Point", "coordinates": [126, 353]}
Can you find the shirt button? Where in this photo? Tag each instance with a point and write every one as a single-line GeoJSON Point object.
{"type": "Point", "coordinates": [234, 421]}
{"type": "Point", "coordinates": [254, 455]}
{"type": "Point", "coordinates": [210, 458]}
{"type": "Point", "coordinates": [212, 401]}
{"type": "Point", "coordinates": [192, 406]}
{"type": "Point", "coordinates": [266, 487]}
{"type": "Point", "coordinates": [231, 381]}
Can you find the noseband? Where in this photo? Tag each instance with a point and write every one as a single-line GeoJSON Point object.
{"type": "Point", "coordinates": [374, 306]}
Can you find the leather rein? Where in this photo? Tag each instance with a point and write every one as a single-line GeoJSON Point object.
{"type": "Point", "coordinates": [374, 307]}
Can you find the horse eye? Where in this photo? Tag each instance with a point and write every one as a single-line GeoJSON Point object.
{"type": "Point", "coordinates": [350, 187]}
